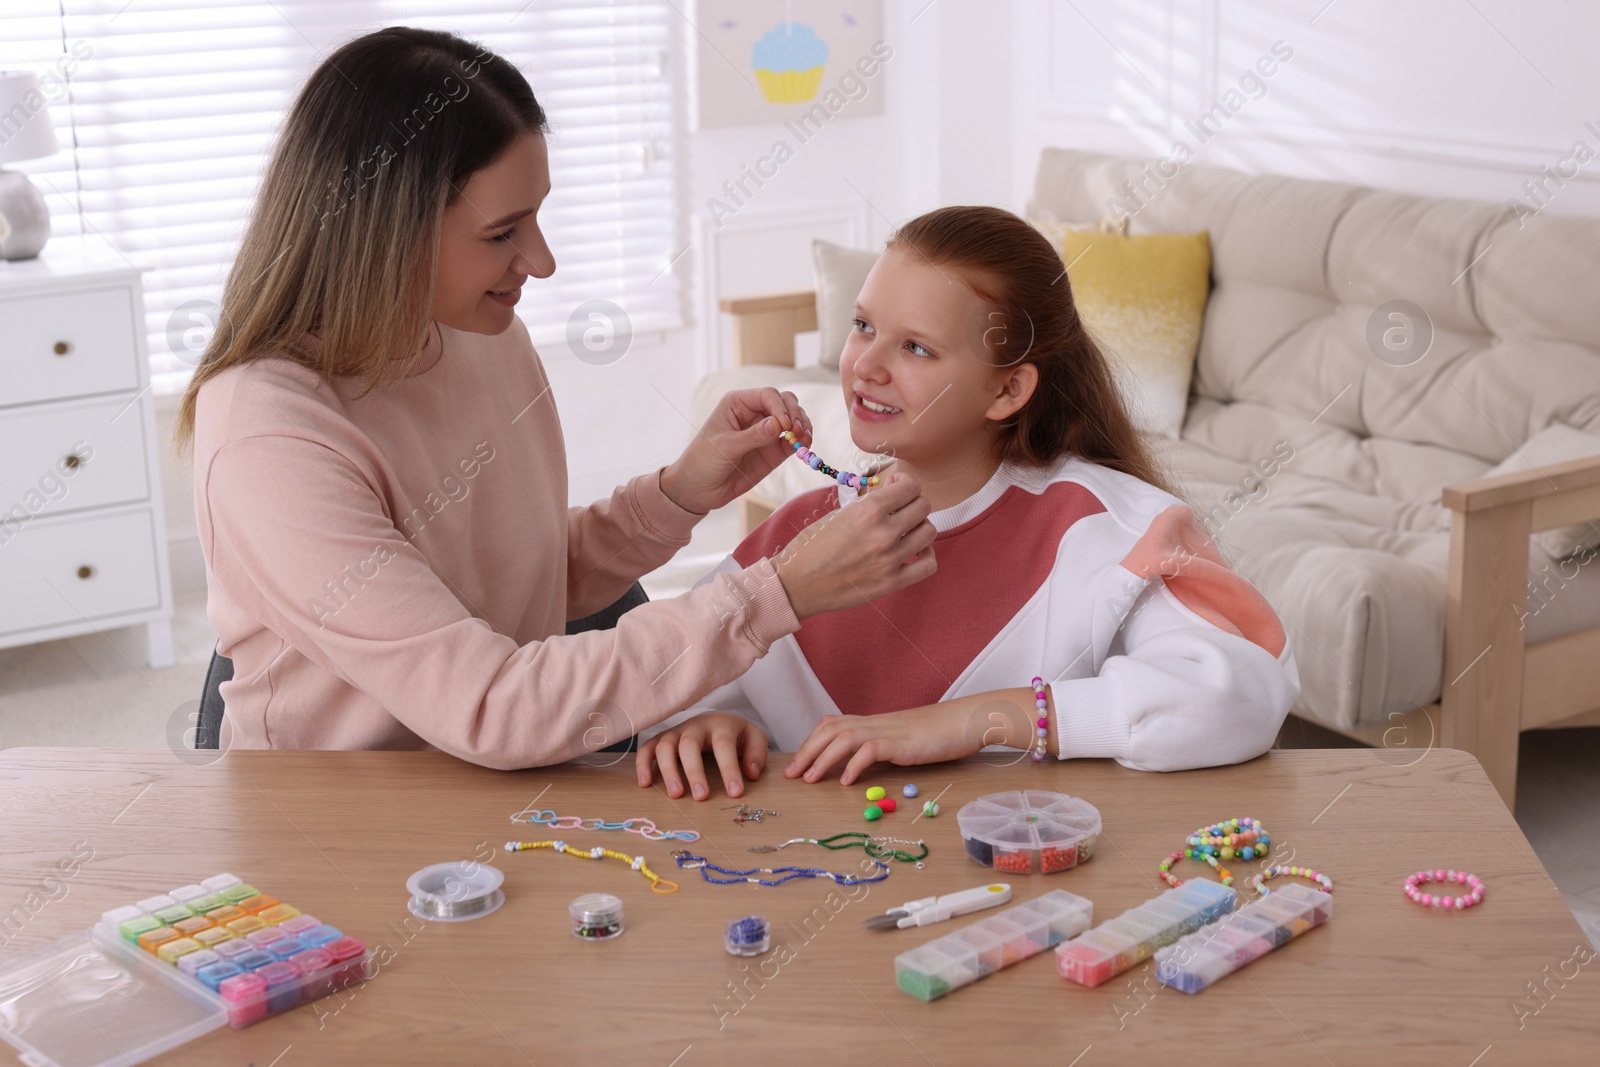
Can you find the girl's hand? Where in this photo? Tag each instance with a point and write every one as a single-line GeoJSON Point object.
{"type": "Point", "coordinates": [917, 735]}
{"type": "Point", "coordinates": [737, 742]}
{"type": "Point", "coordinates": [736, 448]}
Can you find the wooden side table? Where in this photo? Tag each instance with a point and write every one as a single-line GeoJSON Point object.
{"type": "Point", "coordinates": [83, 544]}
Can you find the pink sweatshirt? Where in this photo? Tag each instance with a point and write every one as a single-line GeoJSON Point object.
{"type": "Point", "coordinates": [396, 571]}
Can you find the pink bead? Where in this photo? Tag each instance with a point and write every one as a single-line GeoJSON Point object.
{"type": "Point", "coordinates": [1037, 681]}
{"type": "Point", "coordinates": [1043, 722]}
{"type": "Point", "coordinates": [1438, 875]}
{"type": "Point", "coordinates": [1461, 876]}
{"type": "Point", "coordinates": [1427, 899]}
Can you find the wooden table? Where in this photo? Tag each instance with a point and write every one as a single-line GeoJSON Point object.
{"type": "Point", "coordinates": [338, 833]}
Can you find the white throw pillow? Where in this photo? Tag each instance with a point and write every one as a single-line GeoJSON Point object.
{"type": "Point", "coordinates": [840, 273]}
{"type": "Point", "coordinates": [1557, 443]}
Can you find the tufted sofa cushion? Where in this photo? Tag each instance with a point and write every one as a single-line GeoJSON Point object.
{"type": "Point", "coordinates": [1347, 538]}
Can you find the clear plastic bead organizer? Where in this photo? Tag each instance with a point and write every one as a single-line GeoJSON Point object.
{"type": "Point", "coordinates": [1216, 951]}
{"type": "Point", "coordinates": [156, 974]}
{"type": "Point", "coordinates": [979, 949]}
{"type": "Point", "coordinates": [1029, 832]}
{"type": "Point", "coordinates": [1138, 933]}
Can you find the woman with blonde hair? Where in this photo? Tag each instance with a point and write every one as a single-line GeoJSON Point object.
{"type": "Point", "coordinates": [380, 477]}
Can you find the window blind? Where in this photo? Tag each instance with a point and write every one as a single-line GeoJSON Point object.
{"type": "Point", "coordinates": [167, 110]}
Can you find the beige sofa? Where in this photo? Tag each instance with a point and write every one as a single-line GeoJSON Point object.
{"type": "Point", "coordinates": [1421, 610]}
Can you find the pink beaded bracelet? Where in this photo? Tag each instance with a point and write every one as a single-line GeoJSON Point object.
{"type": "Point", "coordinates": [1042, 727]}
{"type": "Point", "coordinates": [1473, 883]}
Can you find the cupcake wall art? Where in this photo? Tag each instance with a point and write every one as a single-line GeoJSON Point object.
{"type": "Point", "coordinates": [764, 61]}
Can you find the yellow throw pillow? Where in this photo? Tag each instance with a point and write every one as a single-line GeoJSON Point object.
{"type": "Point", "coordinates": [1143, 299]}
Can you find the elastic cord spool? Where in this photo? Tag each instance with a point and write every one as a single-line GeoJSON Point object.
{"type": "Point", "coordinates": [455, 892]}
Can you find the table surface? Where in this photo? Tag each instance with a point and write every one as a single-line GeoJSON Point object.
{"type": "Point", "coordinates": [337, 833]}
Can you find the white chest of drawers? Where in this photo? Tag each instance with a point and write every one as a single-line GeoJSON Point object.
{"type": "Point", "coordinates": [83, 545]}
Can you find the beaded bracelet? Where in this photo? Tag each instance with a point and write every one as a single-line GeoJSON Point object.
{"type": "Point", "coordinates": [1440, 900]}
{"type": "Point", "coordinates": [636, 862]}
{"type": "Point", "coordinates": [1243, 837]}
{"type": "Point", "coordinates": [1042, 727]}
{"type": "Point", "coordinates": [1257, 882]}
{"type": "Point", "coordinates": [1165, 866]}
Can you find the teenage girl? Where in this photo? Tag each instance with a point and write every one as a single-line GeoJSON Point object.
{"type": "Point", "coordinates": [380, 478]}
{"type": "Point", "coordinates": [1062, 553]}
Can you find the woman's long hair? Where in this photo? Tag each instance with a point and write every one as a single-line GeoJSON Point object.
{"type": "Point", "coordinates": [343, 242]}
{"type": "Point", "coordinates": [1076, 408]}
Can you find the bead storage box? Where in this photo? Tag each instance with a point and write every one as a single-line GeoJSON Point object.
{"type": "Point", "coordinates": [1215, 951]}
{"type": "Point", "coordinates": [981, 948]}
{"type": "Point", "coordinates": [1031, 832]}
{"type": "Point", "coordinates": [153, 975]}
{"type": "Point", "coordinates": [1138, 933]}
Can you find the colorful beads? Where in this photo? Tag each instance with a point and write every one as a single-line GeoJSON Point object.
{"type": "Point", "coordinates": [1318, 877]}
{"type": "Point", "coordinates": [888, 804]}
{"type": "Point", "coordinates": [931, 809]}
{"type": "Point", "coordinates": [872, 813]}
{"type": "Point", "coordinates": [1164, 868]}
{"type": "Point", "coordinates": [1244, 838]}
{"type": "Point", "coordinates": [1431, 900]}
{"type": "Point", "coordinates": [910, 790]}
{"type": "Point", "coordinates": [877, 792]}
{"type": "Point", "coordinates": [1042, 725]}
{"type": "Point", "coordinates": [814, 461]}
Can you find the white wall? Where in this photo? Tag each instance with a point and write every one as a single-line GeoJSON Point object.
{"type": "Point", "coordinates": [1431, 96]}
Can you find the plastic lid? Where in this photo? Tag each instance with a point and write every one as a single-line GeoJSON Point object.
{"type": "Point", "coordinates": [1031, 819]}
{"type": "Point", "coordinates": [133, 1013]}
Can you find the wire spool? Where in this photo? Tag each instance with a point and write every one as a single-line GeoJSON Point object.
{"type": "Point", "coordinates": [455, 892]}
{"type": "Point", "coordinates": [1029, 832]}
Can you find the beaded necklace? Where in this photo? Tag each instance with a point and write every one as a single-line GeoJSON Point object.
{"type": "Point", "coordinates": [636, 862]}
{"type": "Point", "coordinates": [814, 461]}
{"type": "Point", "coordinates": [876, 847]}
{"type": "Point", "coordinates": [705, 867]}
{"type": "Point", "coordinates": [645, 828]}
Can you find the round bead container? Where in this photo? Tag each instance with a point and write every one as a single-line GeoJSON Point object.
{"type": "Point", "coordinates": [1031, 832]}
{"type": "Point", "coordinates": [750, 936]}
{"type": "Point", "coordinates": [596, 916]}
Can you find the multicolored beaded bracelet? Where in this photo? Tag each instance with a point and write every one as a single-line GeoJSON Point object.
{"type": "Point", "coordinates": [1473, 883]}
{"type": "Point", "coordinates": [1318, 877]}
{"type": "Point", "coordinates": [1165, 867]}
{"type": "Point", "coordinates": [814, 461]}
{"type": "Point", "coordinates": [1243, 837]}
{"type": "Point", "coordinates": [1042, 727]}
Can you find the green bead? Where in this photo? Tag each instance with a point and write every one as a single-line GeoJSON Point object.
{"type": "Point", "coordinates": [873, 812]}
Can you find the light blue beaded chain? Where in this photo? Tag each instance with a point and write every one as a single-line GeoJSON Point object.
{"type": "Point", "coordinates": [645, 828]}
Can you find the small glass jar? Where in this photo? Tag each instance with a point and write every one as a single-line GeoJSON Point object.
{"type": "Point", "coordinates": [750, 936]}
{"type": "Point", "coordinates": [596, 916]}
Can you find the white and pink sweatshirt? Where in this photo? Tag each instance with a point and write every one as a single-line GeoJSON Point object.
{"type": "Point", "coordinates": [1156, 653]}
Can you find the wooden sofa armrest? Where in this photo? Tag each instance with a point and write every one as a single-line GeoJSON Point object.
{"type": "Point", "coordinates": [1495, 685]}
{"type": "Point", "coordinates": [764, 327]}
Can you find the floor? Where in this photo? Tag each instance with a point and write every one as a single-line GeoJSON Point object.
{"type": "Point", "coordinates": [96, 690]}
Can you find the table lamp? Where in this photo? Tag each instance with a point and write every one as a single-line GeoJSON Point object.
{"type": "Point", "coordinates": [25, 133]}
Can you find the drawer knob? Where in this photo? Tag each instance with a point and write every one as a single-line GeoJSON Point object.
{"type": "Point", "coordinates": [63, 347]}
{"type": "Point", "coordinates": [85, 572]}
